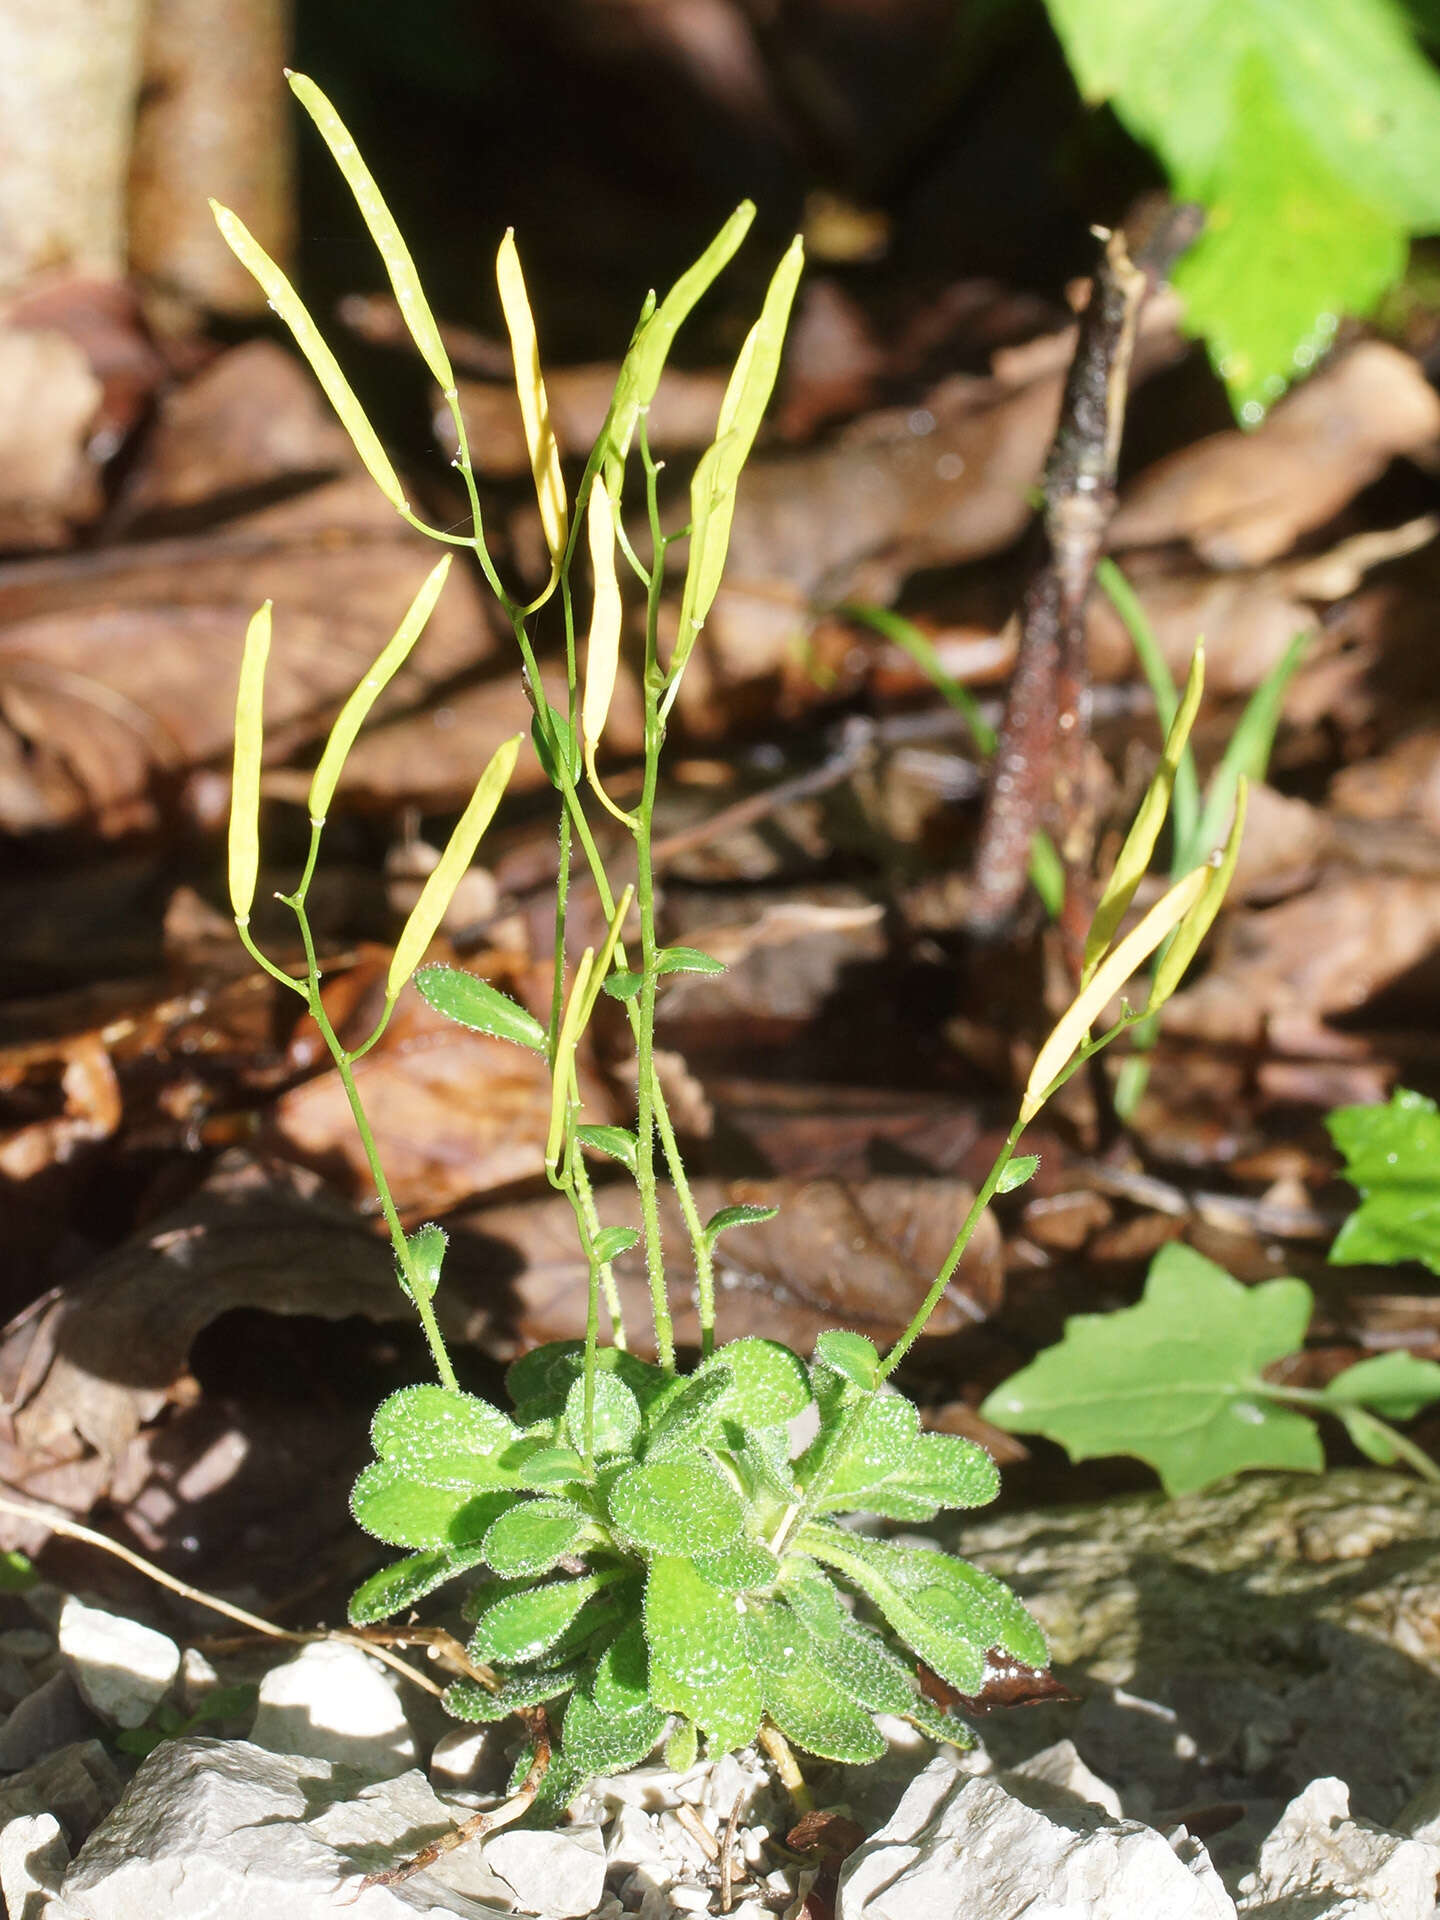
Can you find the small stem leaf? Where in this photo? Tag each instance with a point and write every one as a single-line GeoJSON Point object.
{"type": "Point", "coordinates": [534, 404]}
{"type": "Point", "coordinates": [323, 364]}
{"type": "Point", "coordinates": [1020, 1169]}
{"type": "Point", "coordinates": [618, 1142]}
{"type": "Point", "coordinates": [1115, 969]}
{"type": "Point", "coordinates": [410, 297]}
{"type": "Point", "coordinates": [1047, 873]}
{"type": "Point", "coordinates": [426, 1246]}
{"type": "Point", "coordinates": [611, 1242]}
{"type": "Point", "coordinates": [602, 656]}
{"type": "Point", "coordinates": [728, 1217]}
{"type": "Point", "coordinates": [563, 735]}
{"type": "Point", "coordinates": [474, 1003]}
{"type": "Point", "coordinates": [1175, 961]}
{"type": "Point", "coordinates": [717, 473]}
{"type": "Point", "coordinates": [852, 1356]}
{"type": "Point", "coordinates": [623, 984]}
{"type": "Point", "coordinates": [687, 960]}
{"type": "Point", "coordinates": [249, 750]}
{"type": "Point", "coordinates": [1395, 1385]}
{"type": "Point", "coordinates": [1175, 1381]}
{"type": "Point", "coordinates": [1371, 1436]}
{"type": "Point", "coordinates": [1133, 860]}
{"type": "Point", "coordinates": [435, 896]}
{"type": "Point", "coordinates": [352, 715]}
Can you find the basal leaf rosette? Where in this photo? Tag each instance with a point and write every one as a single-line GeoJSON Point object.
{"type": "Point", "coordinates": [669, 1560]}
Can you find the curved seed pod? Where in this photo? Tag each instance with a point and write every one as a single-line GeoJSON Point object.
{"type": "Point", "coordinates": [388, 663]}
{"type": "Point", "coordinates": [414, 307]}
{"type": "Point", "coordinates": [1073, 1027]}
{"type": "Point", "coordinates": [1133, 859]}
{"type": "Point", "coordinates": [568, 1038]}
{"type": "Point", "coordinates": [323, 364]}
{"type": "Point", "coordinates": [244, 847]}
{"type": "Point", "coordinates": [1193, 930]}
{"type": "Point", "coordinates": [602, 656]}
{"type": "Point", "coordinates": [429, 910]}
{"type": "Point", "coordinates": [534, 404]}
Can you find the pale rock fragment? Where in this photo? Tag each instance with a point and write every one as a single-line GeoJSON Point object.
{"type": "Point", "coordinates": [122, 1669]}
{"type": "Point", "coordinates": [1320, 1864]}
{"type": "Point", "coordinates": [333, 1702]}
{"type": "Point", "coordinates": [33, 1859]}
{"type": "Point", "coordinates": [559, 1874]}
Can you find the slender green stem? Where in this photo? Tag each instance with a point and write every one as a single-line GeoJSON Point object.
{"type": "Point", "coordinates": [242, 927]}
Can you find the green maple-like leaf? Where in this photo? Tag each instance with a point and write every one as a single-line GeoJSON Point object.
{"type": "Point", "coordinates": [1311, 135]}
{"type": "Point", "coordinates": [1392, 1154]}
{"type": "Point", "coordinates": [1175, 1380]}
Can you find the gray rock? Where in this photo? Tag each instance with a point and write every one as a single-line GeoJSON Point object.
{"type": "Point", "coordinates": [79, 1785]}
{"type": "Point", "coordinates": [45, 1720]}
{"type": "Point", "coordinates": [1319, 1864]}
{"type": "Point", "coordinates": [1058, 1775]}
{"type": "Point", "coordinates": [213, 1827]}
{"type": "Point", "coordinates": [560, 1873]}
{"type": "Point", "coordinates": [334, 1703]}
{"type": "Point", "coordinates": [1237, 1644]}
{"type": "Point", "coordinates": [962, 1845]}
{"type": "Point", "coordinates": [33, 1859]}
{"type": "Point", "coordinates": [123, 1670]}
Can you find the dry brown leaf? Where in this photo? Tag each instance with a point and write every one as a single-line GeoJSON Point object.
{"type": "Point", "coordinates": [1241, 499]}
{"type": "Point", "coordinates": [49, 400]}
{"type": "Point", "coordinates": [1403, 782]}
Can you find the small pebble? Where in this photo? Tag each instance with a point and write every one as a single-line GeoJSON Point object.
{"type": "Point", "coordinates": [690, 1899]}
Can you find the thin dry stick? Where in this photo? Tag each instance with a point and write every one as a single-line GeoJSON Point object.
{"type": "Point", "coordinates": [478, 1824]}
{"type": "Point", "coordinates": [61, 1523]}
{"type": "Point", "coordinates": [698, 1832]}
{"type": "Point", "coordinates": [727, 1856]}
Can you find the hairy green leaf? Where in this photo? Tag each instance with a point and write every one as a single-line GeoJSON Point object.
{"type": "Point", "coordinates": [684, 1415]}
{"type": "Point", "coordinates": [543, 1377]}
{"type": "Point", "coordinates": [610, 1722]}
{"type": "Point", "coordinates": [700, 1653]}
{"type": "Point", "coordinates": [802, 1698]}
{"type": "Point", "coordinates": [618, 1142]}
{"type": "Point", "coordinates": [687, 960]}
{"type": "Point", "coordinates": [1392, 1154]}
{"type": "Point", "coordinates": [852, 1356]}
{"type": "Point", "coordinates": [617, 1416]}
{"type": "Point", "coordinates": [522, 1625]}
{"type": "Point", "coordinates": [742, 1216]}
{"type": "Point", "coordinates": [444, 1438]}
{"type": "Point", "coordinates": [1176, 1380]}
{"type": "Point", "coordinates": [889, 1467]}
{"type": "Point", "coordinates": [768, 1383]}
{"type": "Point", "coordinates": [744, 1568]}
{"type": "Point", "coordinates": [426, 1247]}
{"type": "Point", "coordinates": [468, 1700]}
{"type": "Point", "coordinates": [405, 1512]}
{"type": "Point", "coordinates": [562, 734]}
{"type": "Point", "coordinates": [1019, 1170]}
{"type": "Point", "coordinates": [623, 984]}
{"type": "Point", "coordinates": [474, 1003]}
{"type": "Point", "coordinates": [530, 1537]}
{"type": "Point", "coordinates": [611, 1242]}
{"type": "Point", "coordinates": [549, 1467]}
{"type": "Point", "coordinates": [396, 1587]}
{"type": "Point", "coordinates": [680, 1503]}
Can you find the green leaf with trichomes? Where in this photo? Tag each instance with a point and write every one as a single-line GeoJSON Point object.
{"type": "Point", "coordinates": [741, 1216]}
{"type": "Point", "coordinates": [1392, 1154]}
{"type": "Point", "coordinates": [611, 1242]}
{"type": "Point", "coordinates": [405, 1512]}
{"type": "Point", "coordinates": [1175, 1380]}
{"type": "Point", "coordinates": [700, 1655]}
{"type": "Point", "coordinates": [521, 1626]}
{"type": "Point", "coordinates": [531, 1537]}
{"type": "Point", "coordinates": [680, 1503]}
{"type": "Point", "coordinates": [768, 1383]}
{"type": "Point", "coordinates": [618, 1142]}
{"type": "Point", "coordinates": [426, 1248]}
{"type": "Point", "coordinates": [616, 1415]}
{"type": "Point", "coordinates": [687, 960]}
{"type": "Point", "coordinates": [474, 1003]}
{"type": "Point", "coordinates": [850, 1355]}
{"type": "Point", "coordinates": [1017, 1172]}
{"type": "Point", "coordinates": [446, 1439]}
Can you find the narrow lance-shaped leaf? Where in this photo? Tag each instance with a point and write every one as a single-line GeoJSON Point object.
{"type": "Point", "coordinates": [429, 910]}
{"type": "Point", "coordinates": [410, 297]}
{"type": "Point", "coordinates": [1074, 1025]}
{"type": "Point", "coordinates": [534, 403]}
{"type": "Point", "coordinates": [1196, 924]}
{"type": "Point", "coordinates": [1133, 860]}
{"type": "Point", "coordinates": [245, 784]}
{"type": "Point", "coordinates": [323, 364]}
{"type": "Point", "coordinates": [387, 664]}
{"type": "Point", "coordinates": [475, 1003]}
{"type": "Point", "coordinates": [712, 491]}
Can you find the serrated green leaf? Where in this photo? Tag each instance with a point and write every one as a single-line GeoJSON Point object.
{"type": "Point", "coordinates": [680, 1503]}
{"type": "Point", "coordinates": [531, 1536]}
{"type": "Point", "coordinates": [1249, 103]}
{"type": "Point", "coordinates": [700, 1654]}
{"type": "Point", "coordinates": [1392, 1156]}
{"type": "Point", "coordinates": [1175, 1380]}
{"type": "Point", "coordinates": [852, 1356]}
{"type": "Point", "coordinates": [474, 1003]}
{"type": "Point", "coordinates": [444, 1438]}
{"type": "Point", "coordinates": [611, 1242]}
{"type": "Point", "coordinates": [617, 1416]}
{"type": "Point", "coordinates": [768, 1383]}
{"type": "Point", "coordinates": [397, 1587]}
{"type": "Point", "coordinates": [623, 984]}
{"type": "Point", "coordinates": [404, 1512]}
{"type": "Point", "coordinates": [744, 1568]}
{"type": "Point", "coordinates": [683, 1416]}
{"type": "Point", "coordinates": [618, 1142]}
{"type": "Point", "coordinates": [1394, 1385]}
{"type": "Point", "coordinates": [1021, 1169]}
{"type": "Point", "coordinates": [687, 960]}
{"type": "Point", "coordinates": [802, 1698]}
{"type": "Point", "coordinates": [521, 1626]}
{"type": "Point", "coordinates": [468, 1700]}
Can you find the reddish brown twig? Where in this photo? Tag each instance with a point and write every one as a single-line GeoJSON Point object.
{"type": "Point", "coordinates": [1038, 780]}
{"type": "Point", "coordinates": [482, 1823]}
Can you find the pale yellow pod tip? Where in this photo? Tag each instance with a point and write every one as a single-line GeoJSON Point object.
{"type": "Point", "coordinates": [244, 840]}
{"type": "Point", "coordinates": [540, 439]}
{"type": "Point", "coordinates": [602, 657]}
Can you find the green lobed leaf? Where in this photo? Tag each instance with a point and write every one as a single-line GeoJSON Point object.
{"type": "Point", "coordinates": [474, 1003]}
{"type": "Point", "coordinates": [700, 1661]}
{"type": "Point", "coordinates": [397, 1587]}
{"type": "Point", "coordinates": [741, 1216]}
{"type": "Point", "coordinates": [852, 1356]}
{"type": "Point", "coordinates": [404, 1512]}
{"type": "Point", "coordinates": [768, 1383]}
{"type": "Point", "coordinates": [889, 1467]}
{"type": "Point", "coordinates": [1285, 119]}
{"type": "Point", "coordinates": [681, 1503]}
{"type": "Point", "coordinates": [531, 1536]}
{"type": "Point", "coordinates": [802, 1698]}
{"type": "Point", "coordinates": [1392, 1154]}
{"type": "Point", "coordinates": [1394, 1385]}
{"type": "Point", "coordinates": [445, 1438]}
{"type": "Point", "coordinates": [617, 1416]}
{"type": "Point", "coordinates": [618, 1142]}
{"type": "Point", "coordinates": [1174, 1380]}
{"type": "Point", "coordinates": [687, 960]}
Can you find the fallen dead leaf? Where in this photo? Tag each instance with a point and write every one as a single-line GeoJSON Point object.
{"type": "Point", "coordinates": [49, 400]}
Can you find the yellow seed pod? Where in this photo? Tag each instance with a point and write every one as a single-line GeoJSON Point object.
{"type": "Point", "coordinates": [414, 308]}
{"type": "Point", "coordinates": [323, 364]}
{"type": "Point", "coordinates": [1219, 873]}
{"type": "Point", "coordinates": [1074, 1025]}
{"type": "Point", "coordinates": [352, 715]}
{"type": "Point", "coordinates": [534, 405]}
{"type": "Point", "coordinates": [561, 1071]}
{"type": "Point", "coordinates": [602, 657]}
{"type": "Point", "coordinates": [245, 785]}
{"type": "Point", "coordinates": [429, 910]}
